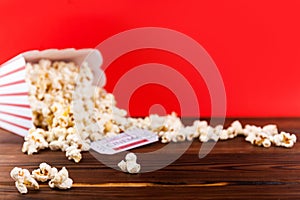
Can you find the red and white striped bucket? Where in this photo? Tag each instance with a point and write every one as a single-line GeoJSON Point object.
{"type": "Point", "coordinates": [15, 111]}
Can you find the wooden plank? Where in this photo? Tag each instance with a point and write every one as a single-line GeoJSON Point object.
{"type": "Point", "coordinates": [234, 169]}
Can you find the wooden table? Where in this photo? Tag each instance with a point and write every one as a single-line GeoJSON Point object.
{"type": "Point", "coordinates": [234, 169]}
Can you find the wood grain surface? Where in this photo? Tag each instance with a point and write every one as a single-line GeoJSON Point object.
{"type": "Point", "coordinates": [234, 169]}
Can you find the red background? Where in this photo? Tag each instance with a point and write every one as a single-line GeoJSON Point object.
{"type": "Point", "coordinates": [255, 44]}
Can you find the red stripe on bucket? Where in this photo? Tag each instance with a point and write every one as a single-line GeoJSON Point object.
{"type": "Point", "coordinates": [16, 115]}
{"type": "Point", "coordinates": [14, 71]}
{"type": "Point", "coordinates": [15, 105]}
{"type": "Point", "coordinates": [13, 83]}
{"type": "Point", "coordinates": [13, 124]}
{"type": "Point", "coordinates": [15, 94]}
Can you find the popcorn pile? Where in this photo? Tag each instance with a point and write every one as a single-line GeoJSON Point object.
{"type": "Point", "coordinates": [58, 179]}
{"type": "Point", "coordinates": [61, 94]}
{"type": "Point", "coordinates": [130, 165]}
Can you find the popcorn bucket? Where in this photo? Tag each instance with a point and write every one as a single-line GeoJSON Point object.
{"type": "Point", "coordinates": [15, 110]}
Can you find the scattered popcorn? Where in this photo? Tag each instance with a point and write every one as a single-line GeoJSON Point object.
{"type": "Point", "coordinates": [69, 113]}
{"type": "Point", "coordinates": [73, 152]}
{"type": "Point", "coordinates": [23, 179]}
{"type": "Point", "coordinates": [58, 179]}
{"type": "Point", "coordinates": [235, 129]}
{"type": "Point", "coordinates": [266, 143]}
{"type": "Point", "coordinates": [251, 137]}
{"type": "Point", "coordinates": [192, 132]}
{"type": "Point", "coordinates": [210, 133]}
{"type": "Point", "coordinates": [224, 134]}
{"type": "Point", "coordinates": [250, 129]}
{"type": "Point", "coordinates": [284, 139]}
{"type": "Point", "coordinates": [131, 157]}
{"type": "Point", "coordinates": [179, 137]}
{"type": "Point", "coordinates": [21, 187]}
{"type": "Point", "coordinates": [169, 128]}
{"type": "Point", "coordinates": [259, 139]}
{"type": "Point", "coordinates": [44, 173]}
{"type": "Point", "coordinates": [130, 165]}
{"type": "Point", "coordinates": [267, 135]}
{"type": "Point", "coordinates": [34, 141]}
{"type": "Point", "coordinates": [166, 137]}
{"type": "Point", "coordinates": [133, 167]}
{"type": "Point", "coordinates": [122, 165]}
{"type": "Point", "coordinates": [270, 129]}
{"type": "Point", "coordinates": [61, 180]}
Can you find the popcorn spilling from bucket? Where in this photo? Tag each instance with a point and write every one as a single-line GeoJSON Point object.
{"type": "Point", "coordinates": [69, 112]}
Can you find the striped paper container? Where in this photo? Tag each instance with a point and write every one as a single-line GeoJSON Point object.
{"type": "Point", "coordinates": [15, 111]}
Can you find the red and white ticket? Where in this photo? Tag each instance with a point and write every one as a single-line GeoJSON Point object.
{"type": "Point", "coordinates": [124, 141]}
